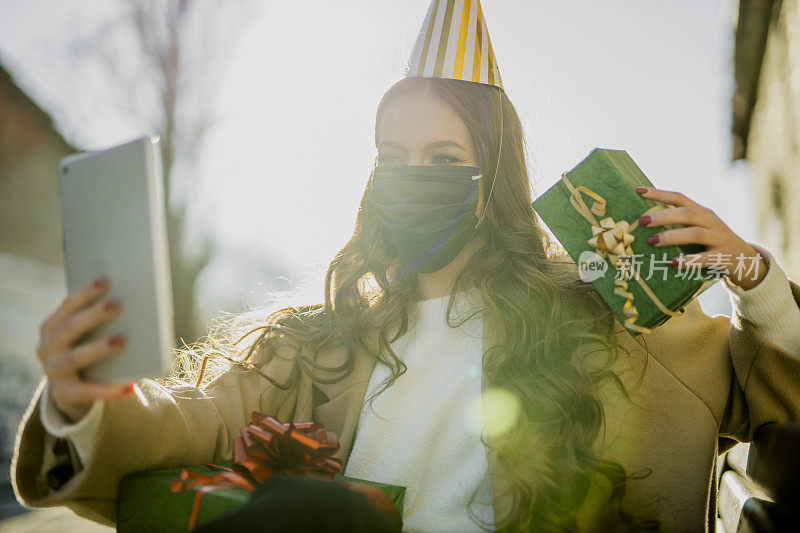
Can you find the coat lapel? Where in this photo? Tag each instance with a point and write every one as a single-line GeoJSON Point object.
{"type": "Point", "coordinates": [341, 410]}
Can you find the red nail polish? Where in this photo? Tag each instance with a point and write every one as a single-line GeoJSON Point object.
{"type": "Point", "coordinates": [116, 340]}
{"type": "Point", "coordinates": [673, 262]}
{"type": "Point", "coordinates": [128, 389]}
{"type": "Point", "coordinates": [99, 282]}
{"type": "Point", "coordinates": [641, 190]}
{"type": "Point", "coordinates": [644, 220]}
{"type": "Point", "coordinates": [652, 239]}
{"type": "Point", "coordinates": [111, 305]}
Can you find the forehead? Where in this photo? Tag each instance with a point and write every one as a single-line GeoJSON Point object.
{"type": "Point", "coordinates": [418, 119]}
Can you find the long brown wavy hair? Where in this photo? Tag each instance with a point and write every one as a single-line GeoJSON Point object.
{"type": "Point", "coordinates": [540, 312]}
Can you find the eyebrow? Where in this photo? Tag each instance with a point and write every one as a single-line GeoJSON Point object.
{"type": "Point", "coordinates": [436, 144]}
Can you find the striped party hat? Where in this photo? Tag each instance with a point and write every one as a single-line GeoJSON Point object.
{"type": "Point", "coordinates": [454, 43]}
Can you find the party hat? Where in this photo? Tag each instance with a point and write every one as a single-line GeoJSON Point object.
{"type": "Point", "coordinates": [454, 43]}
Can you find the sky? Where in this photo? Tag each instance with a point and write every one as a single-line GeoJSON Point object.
{"type": "Point", "coordinates": [285, 166]}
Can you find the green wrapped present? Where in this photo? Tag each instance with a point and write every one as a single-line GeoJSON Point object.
{"type": "Point", "coordinates": [180, 499]}
{"type": "Point", "coordinates": [593, 211]}
{"type": "Point", "coordinates": [146, 502]}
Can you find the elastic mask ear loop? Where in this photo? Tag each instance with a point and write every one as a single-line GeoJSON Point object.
{"type": "Point", "coordinates": [496, 167]}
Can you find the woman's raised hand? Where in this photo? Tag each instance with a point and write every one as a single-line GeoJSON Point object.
{"type": "Point", "coordinates": [724, 249]}
{"type": "Point", "coordinates": [63, 356]}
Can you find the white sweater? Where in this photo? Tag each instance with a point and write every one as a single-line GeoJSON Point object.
{"type": "Point", "coordinates": [419, 433]}
{"type": "Point", "coordinates": [424, 440]}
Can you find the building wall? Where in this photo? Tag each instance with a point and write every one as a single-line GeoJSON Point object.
{"type": "Point", "coordinates": [773, 149]}
{"type": "Point", "coordinates": [32, 278]}
{"type": "Point", "coordinates": [774, 141]}
{"type": "Point", "coordinates": [30, 148]}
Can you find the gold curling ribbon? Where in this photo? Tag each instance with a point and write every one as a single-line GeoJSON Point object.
{"type": "Point", "coordinates": [612, 240]}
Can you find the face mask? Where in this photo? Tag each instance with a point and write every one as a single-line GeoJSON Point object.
{"type": "Point", "coordinates": [427, 212]}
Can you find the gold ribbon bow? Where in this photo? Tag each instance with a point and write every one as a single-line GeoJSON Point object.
{"type": "Point", "coordinates": [612, 240]}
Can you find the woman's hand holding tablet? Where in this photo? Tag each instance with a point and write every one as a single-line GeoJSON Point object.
{"type": "Point", "coordinates": [63, 353]}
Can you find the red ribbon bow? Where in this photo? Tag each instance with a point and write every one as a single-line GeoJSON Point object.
{"type": "Point", "coordinates": [266, 447]}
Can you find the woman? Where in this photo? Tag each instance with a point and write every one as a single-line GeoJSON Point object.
{"type": "Point", "coordinates": [449, 291]}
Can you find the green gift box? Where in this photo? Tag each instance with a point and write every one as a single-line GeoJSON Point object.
{"type": "Point", "coordinates": [612, 176]}
{"type": "Point", "coordinates": [147, 504]}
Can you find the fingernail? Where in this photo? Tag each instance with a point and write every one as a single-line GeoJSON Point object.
{"type": "Point", "coordinates": [642, 190]}
{"type": "Point", "coordinates": [111, 305]}
{"type": "Point", "coordinates": [99, 282]}
{"type": "Point", "coordinates": [116, 340]}
{"type": "Point", "coordinates": [673, 262]}
{"type": "Point", "coordinates": [644, 220]}
{"type": "Point", "coordinates": [128, 389]}
{"type": "Point", "coordinates": [652, 239]}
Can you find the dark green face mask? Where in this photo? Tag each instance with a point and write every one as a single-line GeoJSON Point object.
{"type": "Point", "coordinates": [427, 212]}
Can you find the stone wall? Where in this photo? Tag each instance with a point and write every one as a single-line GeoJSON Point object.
{"type": "Point", "coordinates": [774, 141]}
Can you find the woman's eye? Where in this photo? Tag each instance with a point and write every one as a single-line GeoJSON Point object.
{"type": "Point", "coordinates": [445, 159]}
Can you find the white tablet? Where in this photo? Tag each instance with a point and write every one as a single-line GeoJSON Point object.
{"type": "Point", "coordinates": [114, 220]}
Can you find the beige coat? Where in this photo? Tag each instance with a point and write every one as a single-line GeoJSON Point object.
{"type": "Point", "coordinates": [702, 383]}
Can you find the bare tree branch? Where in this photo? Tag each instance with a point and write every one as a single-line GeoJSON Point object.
{"type": "Point", "coordinates": [161, 62]}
